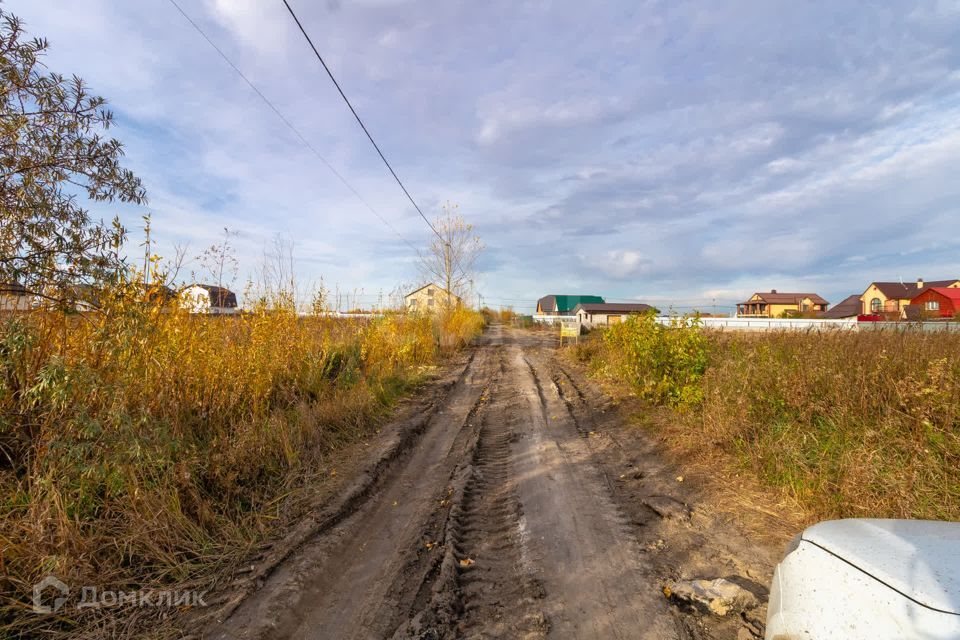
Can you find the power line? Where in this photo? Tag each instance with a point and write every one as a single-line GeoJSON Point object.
{"type": "Point", "coordinates": [354, 112]}
{"type": "Point", "coordinates": [289, 124]}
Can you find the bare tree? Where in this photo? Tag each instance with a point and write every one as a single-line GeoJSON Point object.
{"type": "Point", "coordinates": [451, 258]}
{"type": "Point", "coordinates": [219, 261]}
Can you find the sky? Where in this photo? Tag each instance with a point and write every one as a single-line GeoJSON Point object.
{"type": "Point", "coordinates": [679, 153]}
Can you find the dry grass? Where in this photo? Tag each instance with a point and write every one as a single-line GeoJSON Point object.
{"type": "Point", "coordinates": [143, 448]}
{"type": "Point", "coordinates": [845, 424]}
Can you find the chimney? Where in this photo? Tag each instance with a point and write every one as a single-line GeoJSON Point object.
{"type": "Point", "coordinates": [773, 290]}
{"type": "Point", "coordinates": [919, 283]}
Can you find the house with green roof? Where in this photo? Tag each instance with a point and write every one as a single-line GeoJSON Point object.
{"type": "Point", "coordinates": [564, 305]}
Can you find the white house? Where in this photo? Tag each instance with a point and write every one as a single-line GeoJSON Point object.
{"type": "Point", "coordinates": [593, 315]}
{"type": "Point", "coordinates": [208, 298]}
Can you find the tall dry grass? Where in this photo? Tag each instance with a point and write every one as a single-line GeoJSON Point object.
{"type": "Point", "coordinates": [142, 447]}
{"type": "Point", "coordinates": [851, 424]}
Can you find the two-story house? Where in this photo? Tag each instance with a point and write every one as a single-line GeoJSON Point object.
{"type": "Point", "coordinates": [891, 298]}
{"type": "Point", "coordinates": [429, 298]}
{"type": "Point", "coordinates": [778, 305]}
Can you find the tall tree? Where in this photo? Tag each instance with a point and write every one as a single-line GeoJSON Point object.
{"type": "Point", "coordinates": [52, 152]}
{"type": "Point", "coordinates": [451, 258]}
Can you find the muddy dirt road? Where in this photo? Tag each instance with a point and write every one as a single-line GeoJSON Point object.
{"type": "Point", "coordinates": [506, 507]}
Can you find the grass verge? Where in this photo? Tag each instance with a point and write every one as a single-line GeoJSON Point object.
{"type": "Point", "coordinates": [144, 450]}
{"type": "Point", "coordinates": [848, 424]}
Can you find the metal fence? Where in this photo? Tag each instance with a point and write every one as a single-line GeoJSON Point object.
{"type": "Point", "coordinates": [787, 324]}
{"type": "Point", "coordinates": [553, 319]}
{"type": "Point", "coordinates": [809, 324]}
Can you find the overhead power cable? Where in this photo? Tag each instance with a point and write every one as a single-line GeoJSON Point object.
{"type": "Point", "coordinates": [290, 125]}
{"type": "Point", "coordinates": [359, 121]}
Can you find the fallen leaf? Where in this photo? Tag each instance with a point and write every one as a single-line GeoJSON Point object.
{"type": "Point", "coordinates": [466, 562]}
{"type": "Point", "coordinates": [679, 478]}
{"type": "Point", "coordinates": [394, 503]}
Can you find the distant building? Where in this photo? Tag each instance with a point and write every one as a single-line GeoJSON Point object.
{"type": "Point", "coordinates": [938, 302]}
{"type": "Point", "coordinates": [208, 298]}
{"type": "Point", "coordinates": [82, 297]}
{"type": "Point", "coordinates": [603, 314]}
{"type": "Point", "coordinates": [891, 298]}
{"type": "Point", "coordinates": [563, 305]}
{"type": "Point", "coordinates": [14, 297]}
{"type": "Point", "coordinates": [430, 298]}
{"type": "Point", "coordinates": [849, 307]}
{"type": "Point", "coordinates": [777, 305]}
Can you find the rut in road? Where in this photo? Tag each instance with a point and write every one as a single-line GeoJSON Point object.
{"type": "Point", "coordinates": [495, 524]}
{"type": "Point", "coordinates": [360, 578]}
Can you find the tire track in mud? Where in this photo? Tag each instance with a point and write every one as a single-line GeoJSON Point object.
{"type": "Point", "coordinates": [578, 540]}
{"type": "Point", "coordinates": [484, 587]}
{"type": "Point", "coordinates": [495, 518]}
{"type": "Point", "coordinates": [360, 576]}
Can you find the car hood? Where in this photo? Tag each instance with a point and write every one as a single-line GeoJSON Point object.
{"type": "Point", "coordinates": [918, 558]}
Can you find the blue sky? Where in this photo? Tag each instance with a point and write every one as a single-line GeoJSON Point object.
{"type": "Point", "coordinates": [672, 152]}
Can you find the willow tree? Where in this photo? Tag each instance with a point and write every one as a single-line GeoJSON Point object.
{"type": "Point", "coordinates": [450, 259]}
{"type": "Point", "coordinates": [53, 153]}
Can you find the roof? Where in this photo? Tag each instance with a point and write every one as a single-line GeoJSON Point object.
{"type": "Point", "coordinates": [13, 288]}
{"type": "Point", "coordinates": [430, 284]}
{"type": "Point", "coordinates": [947, 292]}
{"type": "Point", "coordinates": [775, 297]}
{"type": "Point", "coordinates": [564, 303]}
{"type": "Point", "coordinates": [849, 307]}
{"type": "Point", "coordinates": [219, 296]}
{"type": "Point", "coordinates": [615, 307]}
{"type": "Point", "coordinates": [905, 291]}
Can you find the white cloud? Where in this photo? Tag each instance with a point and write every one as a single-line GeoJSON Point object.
{"type": "Point", "coordinates": [675, 145]}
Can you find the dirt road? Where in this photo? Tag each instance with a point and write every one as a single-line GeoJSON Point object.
{"type": "Point", "coordinates": [506, 508]}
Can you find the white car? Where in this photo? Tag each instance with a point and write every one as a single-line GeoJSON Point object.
{"type": "Point", "coordinates": [869, 579]}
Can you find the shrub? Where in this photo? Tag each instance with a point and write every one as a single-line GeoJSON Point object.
{"type": "Point", "coordinates": [145, 447]}
{"type": "Point", "coordinates": [851, 424]}
{"type": "Point", "coordinates": [663, 363]}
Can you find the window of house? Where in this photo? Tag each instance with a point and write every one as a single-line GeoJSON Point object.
{"type": "Point", "coordinates": [413, 302]}
{"type": "Point", "coordinates": [932, 305]}
{"type": "Point", "coordinates": [430, 302]}
{"type": "Point", "coordinates": [875, 305]}
{"type": "Point", "coordinates": [430, 292]}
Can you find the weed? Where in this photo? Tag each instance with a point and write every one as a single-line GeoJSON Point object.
{"type": "Point", "coordinates": [851, 424]}
{"type": "Point", "coordinates": [141, 446]}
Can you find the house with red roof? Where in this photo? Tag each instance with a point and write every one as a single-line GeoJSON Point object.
{"type": "Point", "coordinates": [891, 298]}
{"type": "Point", "coordinates": [781, 305]}
{"type": "Point", "coordinates": [938, 302]}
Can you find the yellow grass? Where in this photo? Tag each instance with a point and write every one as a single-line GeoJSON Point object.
{"type": "Point", "coordinates": [142, 447]}
{"type": "Point", "coordinates": [848, 424]}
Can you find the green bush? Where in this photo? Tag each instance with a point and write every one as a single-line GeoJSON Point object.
{"type": "Point", "coordinates": [664, 364]}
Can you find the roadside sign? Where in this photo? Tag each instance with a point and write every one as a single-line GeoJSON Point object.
{"type": "Point", "coordinates": [569, 330]}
